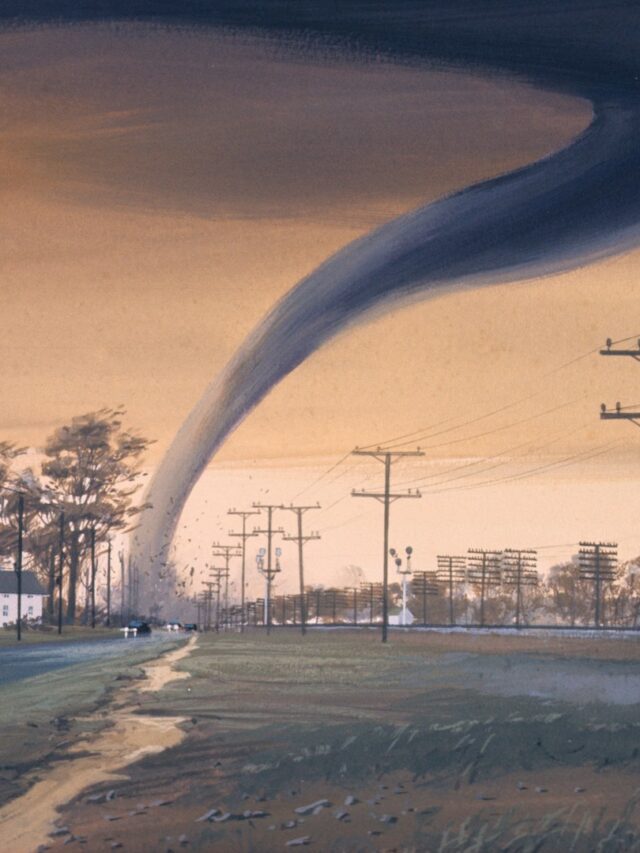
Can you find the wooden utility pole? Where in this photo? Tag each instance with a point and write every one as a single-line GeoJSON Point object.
{"type": "Point", "coordinates": [598, 561]}
{"type": "Point", "coordinates": [269, 571]}
{"type": "Point", "coordinates": [60, 570]}
{"type": "Point", "coordinates": [301, 539]}
{"type": "Point", "coordinates": [519, 571]}
{"type": "Point", "coordinates": [226, 551]}
{"type": "Point", "coordinates": [18, 565]}
{"type": "Point", "coordinates": [108, 583]}
{"type": "Point", "coordinates": [387, 497]}
{"type": "Point", "coordinates": [451, 570]}
{"type": "Point", "coordinates": [484, 571]}
{"type": "Point", "coordinates": [244, 515]}
{"type": "Point", "coordinates": [94, 569]}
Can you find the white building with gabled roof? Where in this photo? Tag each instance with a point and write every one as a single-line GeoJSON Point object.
{"type": "Point", "coordinates": [33, 596]}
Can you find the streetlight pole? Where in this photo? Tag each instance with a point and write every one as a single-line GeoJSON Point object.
{"type": "Point", "coordinates": [405, 574]}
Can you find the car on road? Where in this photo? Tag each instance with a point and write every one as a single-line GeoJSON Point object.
{"type": "Point", "coordinates": [138, 626]}
{"type": "Point", "coordinates": [190, 626]}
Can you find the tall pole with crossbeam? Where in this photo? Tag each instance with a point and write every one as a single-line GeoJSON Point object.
{"type": "Point", "coordinates": [387, 497]}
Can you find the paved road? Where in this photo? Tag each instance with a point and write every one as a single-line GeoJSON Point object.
{"type": "Point", "coordinates": [19, 662]}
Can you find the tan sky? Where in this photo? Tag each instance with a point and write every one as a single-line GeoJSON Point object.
{"type": "Point", "coordinates": [160, 190]}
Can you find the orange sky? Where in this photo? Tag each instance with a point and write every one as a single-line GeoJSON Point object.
{"type": "Point", "coordinates": [161, 189]}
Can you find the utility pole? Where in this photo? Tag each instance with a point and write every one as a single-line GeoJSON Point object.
{"type": "Point", "coordinates": [268, 571]}
{"type": "Point", "coordinates": [60, 570]}
{"type": "Point", "coordinates": [244, 515]}
{"type": "Point", "coordinates": [108, 583]}
{"type": "Point", "coordinates": [484, 571]}
{"type": "Point", "coordinates": [301, 540]}
{"type": "Point", "coordinates": [451, 570]}
{"type": "Point", "coordinates": [387, 457]}
{"type": "Point", "coordinates": [207, 602]}
{"type": "Point", "coordinates": [18, 565]}
{"type": "Point", "coordinates": [226, 551]}
{"type": "Point", "coordinates": [519, 570]}
{"type": "Point", "coordinates": [598, 561]}
{"type": "Point", "coordinates": [424, 584]}
{"type": "Point", "coordinates": [218, 574]}
{"type": "Point", "coordinates": [123, 587]}
{"type": "Point", "coordinates": [94, 569]}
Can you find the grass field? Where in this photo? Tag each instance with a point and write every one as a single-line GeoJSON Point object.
{"type": "Point", "coordinates": [69, 633]}
{"type": "Point", "coordinates": [427, 743]}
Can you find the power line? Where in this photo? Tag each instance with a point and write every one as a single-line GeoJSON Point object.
{"type": "Point", "coordinates": [531, 472]}
{"type": "Point", "coordinates": [508, 426]}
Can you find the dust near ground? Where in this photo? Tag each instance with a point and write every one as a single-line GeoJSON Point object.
{"type": "Point", "coordinates": [416, 745]}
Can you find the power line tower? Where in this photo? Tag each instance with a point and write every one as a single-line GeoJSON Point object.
{"type": "Point", "coordinates": [451, 571]}
{"type": "Point", "coordinates": [598, 562]}
{"type": "Point", "coordinates": [519, 570]}
{"type": "Point", "coordinates": [243, 535]}
{"type": "Point", "coordinates": [424, 584]}
{"type": "Point", "coordinates": [301, 539]}
{"type": "Point", "coordinates": [387, 457]}
{"type": "Point", "coordinates": [484, 572]}
{"type": "Point", "coordinates": [227, 552]}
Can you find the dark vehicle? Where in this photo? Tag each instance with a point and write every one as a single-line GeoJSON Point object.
{"type": "Point", "coordinates": [190, 626]}
{"type": "Point", "coordinates": [139, 627]}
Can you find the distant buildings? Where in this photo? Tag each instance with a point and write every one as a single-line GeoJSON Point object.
{"type": "Point", "coordinates": [33, 596]}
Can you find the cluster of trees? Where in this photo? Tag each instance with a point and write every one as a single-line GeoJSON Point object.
{"type": "Point", "coordinates": [82, 488]}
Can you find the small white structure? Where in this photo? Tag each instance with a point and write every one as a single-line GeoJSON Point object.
{"type": "Point", "coordinates": [33, 596]}
{"type": "Point", "coordinates": [395, 617]}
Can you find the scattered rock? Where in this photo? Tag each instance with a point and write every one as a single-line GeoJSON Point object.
{"type": "Point", "coordinates": [137, 812]}
{"type": "Point", "coordinates": [245, 797]}
{"type": "Point", "coordinates": [112, 816]}
{"type": "Point", "coordinates": [257, 813]}
{"type": "Point", "coordinates": [208, 815]}
{"type": "Point", "coordinates": [299, 842]}
{"type": "Point", "coordinates": [110, 795]}
{"type": "Point", "coordinates": [157, 803]}
{"type": "Point", "coordinates": [115, 844]}
{"type": "Point", "coordinates": [521, 786]}
{"type": "Point", "coordinates": [182, 839]}
{"type": "Point", "coordinates": [33, 725]}
{"type": "Point", "coordinates": [60, 830]}
{"type": "Point", "coordinates": [290, 824]}
{"type": "Point", "coordinates": [223, 817]}
{"type": "Point", "coordinates": [311, 808]}
{"type": "Point", "coordinates": [374, 832]}
{"type": "Point", "coordinates": [388, 818]}
{"type": "Point", "coordinates": [341, 815]}
{"type": "Point", "coordinates": [578, 790]}
{"type": "Point", "coordinates": [484, 797]}
{"type": "Point", "coordinates": [272, 827]}
{"type": "Point", "coordinates": [541, 790]}
{"type": "Point", "coordinates": [351, 800]}
{"type": "Point", "coordinates": [69, 840]}
{"type": "Point", "coordinates": [95, 798]}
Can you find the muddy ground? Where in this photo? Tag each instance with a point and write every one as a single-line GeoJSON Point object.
{"type": "Point", "coordinates": [429, 743]}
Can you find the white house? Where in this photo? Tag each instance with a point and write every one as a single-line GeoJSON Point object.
{"type": "Point", "coordinates": [33, 596]}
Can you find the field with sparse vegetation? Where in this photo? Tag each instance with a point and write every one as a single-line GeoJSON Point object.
{"type": "Point", "coordinates": [339, 743]}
